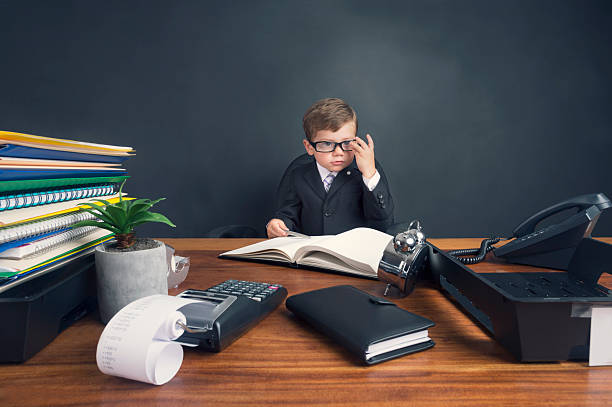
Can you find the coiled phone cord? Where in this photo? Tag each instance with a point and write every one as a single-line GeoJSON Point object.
{"type": "Point", "coordinates": [477, 255]}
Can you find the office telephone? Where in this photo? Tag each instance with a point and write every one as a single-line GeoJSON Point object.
{"type": "Point", "coordinates": [554, 245]}
{"type": "Point", "coordinates": [550, 246]}
{"type": "Point", "coordinates": [537, 316]}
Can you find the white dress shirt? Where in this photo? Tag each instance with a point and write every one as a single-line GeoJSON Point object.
{"type": "Point", "coordinates": [369, 183]}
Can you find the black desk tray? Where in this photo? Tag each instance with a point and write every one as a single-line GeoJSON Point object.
{"type": "Point", "coordinates": [537, 316]}
{"type": "Point", "coordinates": [34, 312]}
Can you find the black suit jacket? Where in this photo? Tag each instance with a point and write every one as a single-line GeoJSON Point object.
{"type": "Point", "coordinates": [305, 207]}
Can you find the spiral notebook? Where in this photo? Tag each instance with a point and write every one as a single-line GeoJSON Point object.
{"type": "Point", "coordinates": [38, 228]}
{"type": "Point", "coordinates": [26, 200]}
{"type": "Point", "coordinates": [11, 268]}
{"type": "Point", "coordinates": [45, 243]}
{"type": "Point", "coordinates": [23, 215]}
{"type": "Point", "coordinates": [20, 242]}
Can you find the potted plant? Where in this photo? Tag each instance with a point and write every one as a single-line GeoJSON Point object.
{"type": "Point", "coordinates": [127, 268]}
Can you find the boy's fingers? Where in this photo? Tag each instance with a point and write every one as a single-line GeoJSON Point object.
{"type": "Point", "coordinates": [281, 229]}
{"type": "Point", "coordinates": [362, 143]}
{"type": "Point", "coordinates": [357, 145]}
{"type": "Point", "coordinates": [277, 228]}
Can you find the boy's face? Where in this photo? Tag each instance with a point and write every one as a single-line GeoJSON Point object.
{"type": "Point", "coordinates": [338, 159]}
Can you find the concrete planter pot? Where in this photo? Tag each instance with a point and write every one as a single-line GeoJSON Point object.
{"type": "Point", "coordinates": [123, 277]}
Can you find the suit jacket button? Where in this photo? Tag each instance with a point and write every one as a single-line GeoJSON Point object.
{"type": "Point", "coordinates": [327, 213]}
{"type": "Point", "coordinates": [380, 195]}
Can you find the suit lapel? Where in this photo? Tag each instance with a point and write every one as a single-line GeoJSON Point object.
{"type": "Point", "coordinates": [341, 179]}
{"type": "Point", "coordinates": [313, 178]}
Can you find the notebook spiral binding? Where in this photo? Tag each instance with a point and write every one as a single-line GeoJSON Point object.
{"type": "Point", "coordinates": [46, 244]}
{"type": "Point", "coordinates": [41, 198]}
{"type": "Point", "coordinates": [37, 228]}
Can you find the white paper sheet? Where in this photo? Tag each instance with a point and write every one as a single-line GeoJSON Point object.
{"type": "Point", "coordinates": [137, 341]}
{"type": "Point", "coordinates": [600, 351]}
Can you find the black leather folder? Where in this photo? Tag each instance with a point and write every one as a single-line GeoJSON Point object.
{"type": "Point", "coordinates": [372, 328]}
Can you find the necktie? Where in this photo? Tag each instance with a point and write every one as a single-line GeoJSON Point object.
{"type": "Point", "coordinates": [328, 181]}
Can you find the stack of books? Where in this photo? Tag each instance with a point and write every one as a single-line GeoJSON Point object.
{"type": "Point", "coordinates": [42, 183]}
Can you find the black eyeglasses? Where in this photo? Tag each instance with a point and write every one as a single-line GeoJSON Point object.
{"type": "Point", "coordinates": [329, 146]}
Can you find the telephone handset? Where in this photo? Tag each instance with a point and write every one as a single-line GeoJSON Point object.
{"type": "Point", "coordinates": [581, 202]}
{"type": "Point", "coordinates": [553, 246]}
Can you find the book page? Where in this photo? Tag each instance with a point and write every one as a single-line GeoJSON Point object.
{"type": "Point", "coordinates": [278, 249]}
{"type": "Point", "coordinates": [391, 346]}
{"type": "Point", "coordinates": [360, 248]}
{"type": "Point", "coordinates": [331, 262]}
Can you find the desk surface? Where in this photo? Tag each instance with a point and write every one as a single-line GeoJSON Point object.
{"type": "Point", "coordinates": [283, 362]}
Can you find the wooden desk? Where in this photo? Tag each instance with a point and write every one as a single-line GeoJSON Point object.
{"type": "Point", "coordinates": [284, 362]}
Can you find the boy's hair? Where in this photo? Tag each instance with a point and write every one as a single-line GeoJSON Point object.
{"type": "Point", "coordinates": [327, 114]}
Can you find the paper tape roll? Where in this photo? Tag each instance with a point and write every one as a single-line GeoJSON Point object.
{"type": "Point", "coordinates": [137, 342]}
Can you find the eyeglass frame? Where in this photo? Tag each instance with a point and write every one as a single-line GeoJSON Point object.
{"type": "Point", "coordinates": [314, 145]}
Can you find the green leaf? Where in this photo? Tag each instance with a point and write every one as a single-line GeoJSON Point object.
{"type": "Point", "coordinates": [122, 216]}
{"type": "Point", "coordinates": [157, 201]}
{"type": "Point", "coordinates": [96, 224]}
{"type": "Point", "coordinates": [153, 217]}
{"type": "Point", "coordinates": [142, 205]}
{"type": "Point", "coordinates": [121, 190]}
{"type": "Point", "coordinates": [118, 216]}
{"type": "Point", "coordinates": [138, 206]}
{"type": "Point", "coordinates": [139, 216]}
{"type": "Point", "coordinates": [100, 215]}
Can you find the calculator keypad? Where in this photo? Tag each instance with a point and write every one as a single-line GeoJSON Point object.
{"type": "Point", "coordinates": [251, 289]}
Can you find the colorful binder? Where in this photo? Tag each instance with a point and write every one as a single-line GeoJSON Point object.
{"type": "Point", "coordinates": [29, 184]}
{"type": "Point", "coordinates": [29, 174]}
{"type": "Point", "coordinates": [29, 140]}
{"type": "Point", "coordinates": [17, 151]}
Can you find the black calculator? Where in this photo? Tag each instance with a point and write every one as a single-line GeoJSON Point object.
{"type": "Point", "coordinates": [222, 313]}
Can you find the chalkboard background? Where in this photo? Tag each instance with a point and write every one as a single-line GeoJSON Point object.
{"type": "Point", "coordinates": [482, 112]}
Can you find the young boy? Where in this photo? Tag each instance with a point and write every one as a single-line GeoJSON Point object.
{"type": "Point", "coordinates": [343, 188]}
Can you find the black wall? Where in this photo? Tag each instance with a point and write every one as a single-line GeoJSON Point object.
{"type": "Point", "coordinates": [482, 112]}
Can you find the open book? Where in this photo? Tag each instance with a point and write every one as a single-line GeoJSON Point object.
{"type": "Point", "coordinates": [357, 251]}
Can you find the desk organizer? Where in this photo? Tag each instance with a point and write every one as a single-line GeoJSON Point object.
{"type": "Point", "coordinates": [537, 316]}
{"type": "Point", "coordinates": [33, 313]}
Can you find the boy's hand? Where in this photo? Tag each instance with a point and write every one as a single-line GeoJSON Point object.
{"type": "Point", "coordinates": [276, 228]}
{"type": "Point", "coordinates": [364, 155]}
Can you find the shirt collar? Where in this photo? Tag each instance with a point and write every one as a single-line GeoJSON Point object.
{"type": "Point", "coordinates": [323, 172]}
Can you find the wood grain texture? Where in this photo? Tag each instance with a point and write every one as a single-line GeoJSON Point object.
{"type": "Point", "coordinates": [283, 362]}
